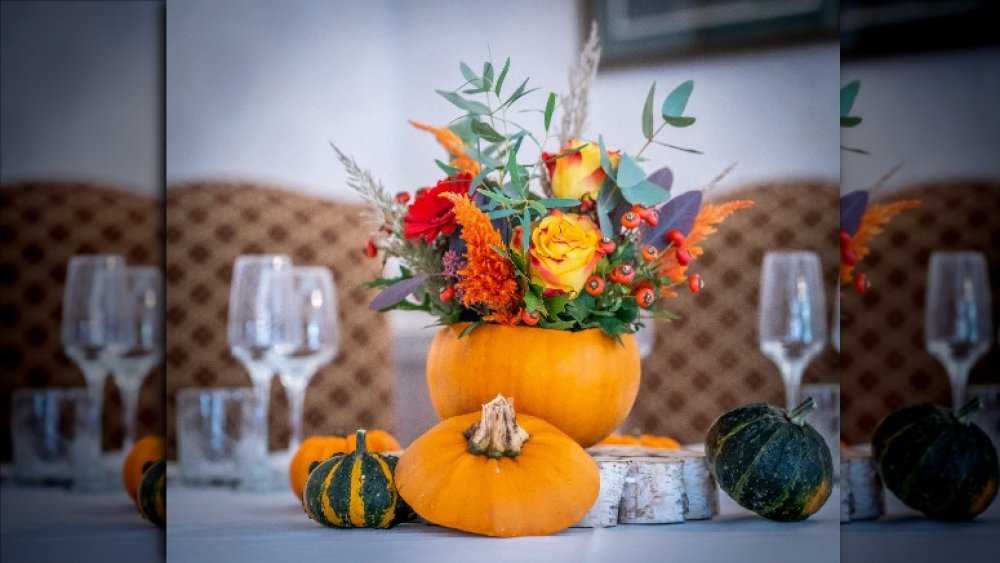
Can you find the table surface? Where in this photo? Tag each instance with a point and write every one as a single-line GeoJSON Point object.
{"type": "Point", "coordinates": [208, 524]}
{"type": "Point", "coordinates": [55, 524]}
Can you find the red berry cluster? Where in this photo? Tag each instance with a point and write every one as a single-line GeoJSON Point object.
{"type": "Point", "coordinates": [849, 258]}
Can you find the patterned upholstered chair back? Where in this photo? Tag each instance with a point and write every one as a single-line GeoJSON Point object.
{"type": "Point", "coordinates": [709, 361]}
{"type": "Point", "coordinates": [43, 224]}
{"type": "Point", "coordinates": [208, 226]}
{"type": "Point", "coordinates": [884, 363]}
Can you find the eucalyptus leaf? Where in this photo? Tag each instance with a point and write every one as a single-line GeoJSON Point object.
{"type": "Point", "coordinates": [675, 147]}
{"type": "Point", "coordinates": [678, 121]}
{"type": "Point", "coordinates": [483, 172]}
{"type": "Point", "coordinates": [550, 107]}
{"type": "Point", "coordinates": [604, 207]}
{"type": "Point", "coordinates": [847, 96]}
{"type": "Point", "coordinates": [551, 202]}
{"type": "Point", "coordinates": [849, 121]}
{"type": "Point", "coordinates": [647, 113]}
{"type": "Point", "coordinates": [629, 173]}
{"type": "Point", "coordinates": [664, 177]}
{"type": "Point", "coordinates": [488, 75]}
{"type": "Point", "coordinates": [644, 193]}
{"type": "Point", "coordinates": [397, 292]}
{"type": "Point", "coordinates": [500, 79]}
{"type": "Point", "coordinates": [447, 168]}
{"type": "Point", "coordinates": [677, 100]}
{"type": "Point", "coordinates": [537, 206]}
{"type": "Point", "coordinates": [486, 131]}
{"type": "Point", "coordinates": [677, 214]}
{"type": "Point", "coordinates": [526, 230]}
{"type": "Point", "coordinates": [467, 72]}
{"type": "Point", "coordinates": [501, 213]}
{"type": "Point", "coordinates": [473, 107]}
{"type": "Point", "coordinates": [605, 160]}
{"type": "Point", "coordinates": [498, 197]}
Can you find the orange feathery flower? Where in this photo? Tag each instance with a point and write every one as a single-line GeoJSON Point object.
{"type": "Point", "coordinates": [453, 144]}
{"type": "Point", "coordinates": [875, 217]}
{"type": "Point", "coordinates": [704, 225]}
{"type": "Point", "coordinates": [488, 278]}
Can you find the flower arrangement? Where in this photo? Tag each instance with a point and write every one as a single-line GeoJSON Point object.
{"type": "Point", "coordinates": [861, 220]}
{"type": "Point", "coordinates": [576, 238]}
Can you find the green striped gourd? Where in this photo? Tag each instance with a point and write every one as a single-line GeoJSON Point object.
{"type": "Point", "coordinates": [770, 461]}
{"type": "Point", "coordinates": [937, 461]}
{"type": "Point", "coordinates": [151, 498]}
{"type": "Point", "coordinates": [355, 490]}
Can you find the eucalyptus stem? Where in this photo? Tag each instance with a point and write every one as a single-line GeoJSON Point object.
{"type": "Point", "coordinates": [649, 141]}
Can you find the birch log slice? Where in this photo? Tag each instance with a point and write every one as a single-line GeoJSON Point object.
{"type": "Point", "coordinates": [604, 513]}
{"type": "Point", "coordinates": [867, 499]}
{"type": "Point", "coordinates": [700, 488]}
{"type": "Point", "coordinates": [653, 492]}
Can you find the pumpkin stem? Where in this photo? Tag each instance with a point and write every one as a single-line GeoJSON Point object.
{"type": "Point", "coordinates": [497, 433]}
{"type": "Point", "coordinates": [965, 414]}
{"type": "Point", "coordinates": [798, 414]}
{"type": "Point", "coordinates": [361, 442]}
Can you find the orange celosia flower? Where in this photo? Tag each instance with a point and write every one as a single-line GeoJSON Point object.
{"type": "Point", "coordinates": [709, 215]}
{"type": "Point", "coordinates": [875, 217]}
{"type": "Point", "coordinates": [488, 279]}
{"type": "Point", "coordinates": [453, 144]}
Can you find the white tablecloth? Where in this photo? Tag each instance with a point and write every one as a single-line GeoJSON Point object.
{"type": "Point", "coordinates": [218, 524]}
{"type": "Point", "coordinates": [40, 524]}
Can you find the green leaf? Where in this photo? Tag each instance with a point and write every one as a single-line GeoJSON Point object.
{"type": "Point", "coordinates": [605, 161]}
{"type": "Point", "coordinates": [645, 193]}
{"type": "Point", "coordinates": [551, 202]}
{"type": "Point", "coordinates": [675, 147]}
{"type": "Point", "coordinates": [677, 100]}
{"type": "Point", "coordinates": [473, 107]}
{"type": "Point", "coordinates": [557, 304]}
{"type": "Point", "coordinates": [498, 197]}
{"type": "Point", "coordinates": [629, 173]}
{"type": "Point", "coordinates": [519, 92]}
{"type": "Point", "coordinates": [550, 106]}
{"type": "Point", "coordinates": [847, 96]}
{"type": "Point", "coordinates": [479, 178]}
{"type": "Point", "coordinates": [854, 150]}
{"type": "Point", "coordinates": [472, 326]}
{"type": "Point", "coordinates": [537, 206]}
{"type": "Point", "coordinates": [678, 121]}
{"type": "Point", "coordinates": [448, 169]}
{"type": "Point", "coordinates": [532, 302]}
{"type": "Point", "coordinates": [604, 207]}
{"type": "Point", "coordinates": [512, 169]}
{"type": "Point", "coordinates": [501, 213]}
{"type": "Point", "coordinates": [526, 229]}
{"type": "Point", "coordinates": [558, 325]}
{"type": "Point", "coordinates": [647, 113]}
{"type": "Point", "coordinates": [467, 72]}
{"type": "Point", "coordinates": [486, 131]}
{"type": "Point", "coordinates": [849, 121]}
{"type": "Point", "coordinates": [500, 250]}
{"type": "Point", "coordinates": [503, 75]}
{"type": "Point", "coordinates": [488, 75]}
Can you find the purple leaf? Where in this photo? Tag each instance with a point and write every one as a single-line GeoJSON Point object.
{"type": "Point", "coordinates": [662, 177]}
{"type": "Point", "coordinates": [852, 209]}
{"type": "Point", "coordinates": [396, 292]}
{"type": "Point", "coordinates": [678, 213]}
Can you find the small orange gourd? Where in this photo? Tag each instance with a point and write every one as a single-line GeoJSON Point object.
{"type": "Point", "coordinates": [312, 449]}
{"type": "Point", "coordinates": [378, 441]}
{"type": "Point", "coordinates": [148, 449]}
{"type": "Point", "coordinates": [495, 474]}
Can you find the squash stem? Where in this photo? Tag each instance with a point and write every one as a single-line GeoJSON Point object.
{"type": "Point", "coordinates": [965, 414]}
{"type": "Point", "coordinates": [798, 415]}
{"type": "Point", "coordinates": [497, 433]}
{"type": "Point", "coordinates": [361, 442]}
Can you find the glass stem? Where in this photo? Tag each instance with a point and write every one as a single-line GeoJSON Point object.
{"type": "Point", "coordinates": [95, 376]}
{"type": "Point", "coordinates": [791, 372]}
{"type": "Point", "coordinates": [958, 375]}
{"type": "Point", "coordinates": [129, 388]}
{"type": "Point", "coordinates": [295, 388]}
{"type": "Point", "coordinates": [261, 376]}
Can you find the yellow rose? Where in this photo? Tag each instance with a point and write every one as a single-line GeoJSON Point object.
{"type": "Point", "coordinates": [564, 251]}
{"type": "Point", "coordinates": [580, 173]}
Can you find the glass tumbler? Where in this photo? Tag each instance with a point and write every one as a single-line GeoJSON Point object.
{"type": "Point", "coordinates": [215, 430]}
{"type": "Point", "coordinates": [44, 425]}
{"type": "Point", "coordinates": [825, 418]}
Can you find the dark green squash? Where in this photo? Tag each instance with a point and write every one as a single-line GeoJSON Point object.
{"type": "Point", "coordinates": [771, 462]}
{"type": "Point", "coordinates": [151, 498]}
{"type": "Point", "coordinates": [937, 461]}
{"type": "Point", "coordinates": [355, 490]}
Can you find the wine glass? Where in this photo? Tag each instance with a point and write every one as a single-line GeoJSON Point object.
{"type": "Point", "coordinates": [957, 323]}
{"type": "Point", "coordinates": [792, 315]}
{"type": "Point", "coordinates": [139, 344]}
{"type": "Point", "coordinates": [645, 337]}
{"type": "Point", "coordinates": [252, 337]}
{"type": "Point", "coordinates": [305, 310]}
{"type": "Point", "coordinates": [835, 329]}
{"type": "Point", "coordinates": [89, 326]}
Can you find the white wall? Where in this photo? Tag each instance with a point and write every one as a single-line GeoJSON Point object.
{"type": "Point", "coordinates": [255, 90]}
{"type": "Point", "coordinates": [939, 113]}
{"type": "Point", "coordinates": [82, 93]}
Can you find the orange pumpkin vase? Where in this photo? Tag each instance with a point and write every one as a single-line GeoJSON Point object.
{"type": "Point", "coordinates": [495, 474]}
{"type": "Point", "coordinates": [584, 383]}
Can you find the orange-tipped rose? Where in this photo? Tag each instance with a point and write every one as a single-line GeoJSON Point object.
{"type": "Point", "coordinates": [580, 173]}
{"type": "Point", "coordinates": [564, 251]}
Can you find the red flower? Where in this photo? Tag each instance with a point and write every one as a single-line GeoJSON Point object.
{"type": "Point", "coordinates": [430, 215]}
